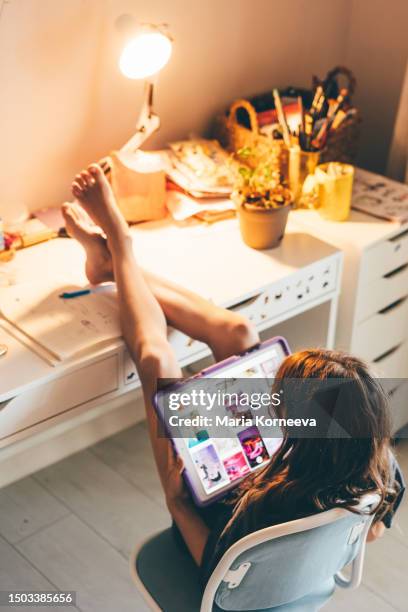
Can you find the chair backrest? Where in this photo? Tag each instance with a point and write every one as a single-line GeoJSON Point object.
{"type": "Point", "coordinates": [287, 562]}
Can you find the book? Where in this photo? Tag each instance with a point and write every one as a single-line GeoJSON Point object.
{"type": "Point", "coordinates": [380, 196]}
{"type": "Point", "coordinates": [65, 328]}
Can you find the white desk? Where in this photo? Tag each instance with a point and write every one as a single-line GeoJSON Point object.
{"type": "Point", "coordinates": [48, 412]}
{"type": "Point", "coordinates": [373, 308]}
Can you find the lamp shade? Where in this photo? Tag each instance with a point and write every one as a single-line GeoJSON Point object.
{"type": "Point", "coordinates": [145, 55]}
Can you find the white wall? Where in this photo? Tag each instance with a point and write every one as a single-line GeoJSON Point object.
{"type": "Point", "coordinates": [63, 102]}
{"type": "Point", "coordinates": [377, 52]}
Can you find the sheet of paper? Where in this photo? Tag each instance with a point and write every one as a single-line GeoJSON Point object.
{"type": "Point", "coordinates": [182, 206]}
{"type": "Point", "coordinates": [65, 327]}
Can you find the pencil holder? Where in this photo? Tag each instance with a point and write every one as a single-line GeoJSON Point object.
{"type": "Point", "coordinates": [335, 185]}
{"type": "Point", "coordinates": [299, 165]}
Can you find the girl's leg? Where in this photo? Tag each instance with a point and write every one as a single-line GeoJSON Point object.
{"type": "Point", "coordinates": [144, 328]}
{"type": "Point", "coordinates": [225, 332]}
{"type": "Point", "coordinates": [142, 320]}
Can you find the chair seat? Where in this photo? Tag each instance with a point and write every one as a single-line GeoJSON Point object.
{"type": "Point", "coordinates": [172, 578]}
{"type": "Point", "coordinates": [169, 574]}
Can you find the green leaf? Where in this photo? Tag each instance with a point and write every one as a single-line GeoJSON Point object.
{"type": "Point", "coordinates": [245, 152]}
{"type": "Point", "coordinates": [246, 173]}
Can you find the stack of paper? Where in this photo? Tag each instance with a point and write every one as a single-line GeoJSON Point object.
{"type": "Point", "coordinates": [202, 168]}
{"type": "Point", "coordinates": [183, 206]}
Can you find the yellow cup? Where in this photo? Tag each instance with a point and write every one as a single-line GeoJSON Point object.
{"type": "Point", "coordinates": [300, 165]}
{"type": "Point", "coordinates": [335, 185]}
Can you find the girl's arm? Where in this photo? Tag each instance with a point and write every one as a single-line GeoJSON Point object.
{"type": "Point", "coordinates": [192, 527]}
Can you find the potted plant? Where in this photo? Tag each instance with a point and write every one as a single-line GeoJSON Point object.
{"type": "Point", "coordinates": [262, 202]}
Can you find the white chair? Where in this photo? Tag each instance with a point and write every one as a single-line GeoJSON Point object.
{"type": "Point", "coordinates": [293, 566]}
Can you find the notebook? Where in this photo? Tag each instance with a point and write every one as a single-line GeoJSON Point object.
{"type": "Point", "coordinates": [65, 328]}
{"type": "Point", "coordinates": [380, 196]}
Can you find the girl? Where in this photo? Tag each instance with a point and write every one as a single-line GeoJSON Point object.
{"type": "Point", "coordinates": [306, 475]}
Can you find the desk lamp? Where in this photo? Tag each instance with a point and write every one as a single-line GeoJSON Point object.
{"type": "Point", "coordinates": [143, 57]}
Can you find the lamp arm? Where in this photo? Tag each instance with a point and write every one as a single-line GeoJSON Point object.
{"type": "Point", "coordinates": [147, 123]}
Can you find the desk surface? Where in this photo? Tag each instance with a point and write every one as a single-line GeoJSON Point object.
{"type": "Point", "coordinates": [211, 260]}
{"type": "Point", "coordinates": [214, 262]}
{"type": "Point", "coordinates": [360, 230]}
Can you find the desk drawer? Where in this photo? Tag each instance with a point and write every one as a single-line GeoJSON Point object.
{"type": "Point", "coordinates": [381, 332]}
{"type": "Point", "coordinates": [381, 292]}
{"type": "Point", "coordinates": [385, 257]}
{"type": "Point", "coordinates": [312, 283]}
{"type": "Point", "coordinates": [393, 364]}
{"type": "Point", "coordinates": [57, 396]}
{"type": "Point", "coordinates": [399, 407]}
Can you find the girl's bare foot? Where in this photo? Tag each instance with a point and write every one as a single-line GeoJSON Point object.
{"type": "Point", "coordinates": [94, 193]}
{"type": "Point", "coordinates": [98, 258]}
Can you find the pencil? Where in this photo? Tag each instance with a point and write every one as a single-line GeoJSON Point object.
{"type": "Point", "coordinates": [281, 117]}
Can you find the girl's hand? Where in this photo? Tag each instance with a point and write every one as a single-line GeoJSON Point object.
{"type": "Point", "coordinates": [376, 531]}
{"type": "Point", "coordinates": [174, 486]}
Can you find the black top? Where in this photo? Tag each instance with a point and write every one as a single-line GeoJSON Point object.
{"type": "Point", "coordinates": [218, 514]}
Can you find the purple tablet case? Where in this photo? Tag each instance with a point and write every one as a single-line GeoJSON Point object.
{"type": "Point", "coordinates": [209, 372]}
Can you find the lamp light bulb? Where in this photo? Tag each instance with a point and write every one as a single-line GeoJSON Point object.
{"type": "Point", "coordinates": [145, 55]}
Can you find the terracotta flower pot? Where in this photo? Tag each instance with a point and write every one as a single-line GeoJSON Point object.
{"type": "Point", "coordinates": [262, 228]}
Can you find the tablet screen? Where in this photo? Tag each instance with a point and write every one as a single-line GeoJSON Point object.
{"type": "Point", "coordinates": [220, 451]}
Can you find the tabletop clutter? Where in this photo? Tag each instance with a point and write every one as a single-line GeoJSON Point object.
{"type": "Point", "coordinates": [280, 150]}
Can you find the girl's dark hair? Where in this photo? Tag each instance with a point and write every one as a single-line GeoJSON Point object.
{"type": "Point", "coordinates": [312, 474]}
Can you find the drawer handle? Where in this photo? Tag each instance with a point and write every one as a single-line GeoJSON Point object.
{"type": "Point", "coordinates": [403, 234]}
{"type": "Point", "coordinates": [392, 391]}
{"type": "Point", "coordinates": [245, 303]}
{"type": "Point", "coordinates": [387, 354]}
{"type": "Point", "coordinates": [4, 405]}
{"type": "Point", "coordinates": [395, 304]}
{"type": "Point", "coordinates": [396, 271]}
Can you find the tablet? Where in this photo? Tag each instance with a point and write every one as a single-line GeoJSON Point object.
{"type": "Point", "coordinates": [218, 419]}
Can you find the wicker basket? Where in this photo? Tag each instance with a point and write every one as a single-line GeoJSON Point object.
{"type": "Point", "coordinates": [342, 144]}
{"type": "Point", "coordinates": [234, 136]}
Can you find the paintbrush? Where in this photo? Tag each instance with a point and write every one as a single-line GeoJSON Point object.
{"type": "Point", "coordinates": [317, 95]}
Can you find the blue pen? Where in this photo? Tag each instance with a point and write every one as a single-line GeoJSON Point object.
{"type": "Point", "coordinates": [68, 295]}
